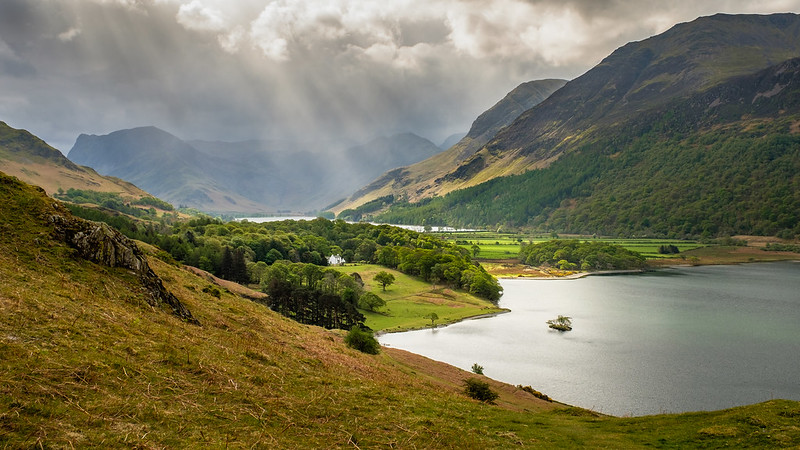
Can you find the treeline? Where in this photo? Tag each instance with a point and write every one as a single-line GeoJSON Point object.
{"type": "Point", "coordinates": [113, 201]}
{"type": "Point", "coordinates": [573, 254]}
{"type": "Point", "coordinates": [451, 266]}
{"type": "Point", "coordinates": [225, 248]}
{"type": "Point", "coordinates": [360, 212]}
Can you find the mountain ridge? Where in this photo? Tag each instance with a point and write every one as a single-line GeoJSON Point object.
{"type": "Point", "coordinates": [255, 176]}
{"type": "Point", "coordinates": [721, 162]}
{"type": "Point", "coordinates": [32, 160]}
{"type": "Point", "coordinates": [409, 182]}
{"type": "Point", "coordinates": [637, 77]}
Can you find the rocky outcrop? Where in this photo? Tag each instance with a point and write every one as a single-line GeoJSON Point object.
{"type": "Point", "coordinates": [99, 243]}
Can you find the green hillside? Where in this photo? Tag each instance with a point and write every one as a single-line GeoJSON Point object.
{"type": "Point", "coordinates": [723, 161]}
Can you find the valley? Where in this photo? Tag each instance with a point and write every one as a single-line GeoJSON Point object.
{"type": "Point", "coordinates": [236, 282]}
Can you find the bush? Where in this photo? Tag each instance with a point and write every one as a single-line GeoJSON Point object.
{"type": "Point", "coordinates": [534, 392]}
{"type": "Point", "coordinates": [362, 341]}
{"type": "Point", "coordinates": [669, 249]}
{"type": "Point", "coordinates": [479, 390]}
{"type": "Point", "coordinates": [477, 369]}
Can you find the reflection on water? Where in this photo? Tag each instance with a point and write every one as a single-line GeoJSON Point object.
{"type": "Point", "coordinates": [685, 339]}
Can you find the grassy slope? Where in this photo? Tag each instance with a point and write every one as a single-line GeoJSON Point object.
{"type": "Point", "coordinates": [29, 158]}
{"type": "Point", "coordinates": [84, 362]}
{"type": "Point", "coordinates": [409, 299]}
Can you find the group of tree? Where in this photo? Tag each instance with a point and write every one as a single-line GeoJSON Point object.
{"type": "Point", "coordinates": [571, 254]}
{"type": "Point", "coordinates": [244, 251]}
{"type": "Point", "coordinates": [203, 243]}
{"type": "Point", "coordinates": [450, 266]}
{"type": "Point", "coordinates": [141, 208]}
{"type": "Point", "coordinates": [314, 295]}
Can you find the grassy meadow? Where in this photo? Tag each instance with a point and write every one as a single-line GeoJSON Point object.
{"type": "Point", "coordinates": [504, 246]}
{"type": "Point", "coordinates": [409, 299]}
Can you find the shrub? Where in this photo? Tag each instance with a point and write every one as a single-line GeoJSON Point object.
{"type": "Point", "coordinates": [213, 291]}
{"type": "Point", "coordinates": [362, 340]}
{"type": "Point", "coordinates": [534, 392]}
{"type": "Point", "coordinates": [477, 369]}
{"type": "Point", "coordinates": [479, 390]}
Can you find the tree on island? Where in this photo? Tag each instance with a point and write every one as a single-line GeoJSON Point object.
{"type": "Point", "coordinates": [562, 323]}
{"type": "Point", "coordinates": [384, 278]}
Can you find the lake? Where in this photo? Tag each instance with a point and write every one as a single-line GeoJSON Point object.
{"type": "Point", "coordinates": [417, 228]}
{"type": "Point", "coordinates": [674, 340]}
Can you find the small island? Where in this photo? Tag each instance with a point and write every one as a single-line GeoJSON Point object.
{"type": "Point", "coordinates": [562, 323]}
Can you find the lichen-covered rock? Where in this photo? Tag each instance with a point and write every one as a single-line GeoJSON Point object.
{"type": "Point", "coordinates": [99, 243]}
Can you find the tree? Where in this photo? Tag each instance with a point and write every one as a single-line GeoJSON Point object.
{"type": "Point", "coordinates": [562, 323]}
{"type": "Point", "coordinates": [370, 301]}
{"type": "Point", "coordinates": [477, 369]}
{"type": "Point", "coordinates": [384, 278]}
{"type": "Point", "coordinates": [475, 250]}
{"type": "Point", "coordinates": [433, 316]}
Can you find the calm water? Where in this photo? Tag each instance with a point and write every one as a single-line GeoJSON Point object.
{"type": "Point", "coordinates": [687, 339]}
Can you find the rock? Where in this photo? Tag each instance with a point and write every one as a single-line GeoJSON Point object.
{"type": "Point", "coordinates": [99, 243]}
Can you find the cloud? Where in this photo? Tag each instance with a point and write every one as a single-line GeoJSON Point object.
{"type": "Point", "coordinates": [196, 16]}
{"type": "Point", "coordinates": [307, 69]}
{"type": "Point", "coordinates": [70, 34]}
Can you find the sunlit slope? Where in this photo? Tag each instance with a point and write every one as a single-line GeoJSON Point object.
{"type": "Point", "coordinates": [425, 178]}
{"type": "Point", "coordinates": [30, 159]}
{"type": "Point", "coordinates": [638, 77]}
{"type": "Point", "coordinates": [636, 80]}
{"type": "Point", "coordinates": [85, 362]}
{"type": "Point", "coordinates": [721, 162]}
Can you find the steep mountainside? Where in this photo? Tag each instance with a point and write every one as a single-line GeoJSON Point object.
{"type": "Point", "coordinates": [30, 159]}
{"type": "Point", "coordinates": [723, 161]}
{"type": "Point", "coordinates": [638, 77]}
{"type": "Point", "coordinates": [249, 176]}
{"type": "Point", "coordinates": [87, 362]}
{"type": "Point", "coordinates": [167, 166]}
{"type": "Point", "coordinates": [424, 177]}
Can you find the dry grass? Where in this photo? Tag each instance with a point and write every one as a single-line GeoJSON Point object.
{"type": "Point", "coordinates": [85, 362]}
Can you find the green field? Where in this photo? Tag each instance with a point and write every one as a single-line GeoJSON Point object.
{"type": "Point", "coordinates": [497, 246]}
{"type": "Point", "coordinates": [408, 299]}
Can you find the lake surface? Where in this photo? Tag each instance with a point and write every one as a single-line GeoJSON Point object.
{"type": "Point", "coordinates": [417, 228]}
{"type": "Point", "coordinates": [683, 339]}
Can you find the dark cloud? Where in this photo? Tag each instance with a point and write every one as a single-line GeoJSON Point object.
{"type": "Point", "coordinates": [229, 70]}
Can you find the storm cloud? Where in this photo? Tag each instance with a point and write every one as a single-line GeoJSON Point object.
{"type": "Point", "coordinates": [307, 69]}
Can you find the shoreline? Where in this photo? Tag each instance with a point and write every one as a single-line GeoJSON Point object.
{"type": "Point", "coordinates": [443, 325]}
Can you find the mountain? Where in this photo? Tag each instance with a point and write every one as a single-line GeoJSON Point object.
{"type": "Point", "coordinates": [423, 178]}
{"type": "Point", "coordinates": [632, 146]}
{"type": "Point", "coordinates": [451, 140]}
{"type": "Point", "coordinates": [638, 77]}
{"type": "Point", "coordinates": [248, 176]}
{"type": "Point", "coordinates": [168, 166]}
{"type": "Point", "coordinates": [89, 362]}
{"type": "Point", "coordinates": [30, 159]}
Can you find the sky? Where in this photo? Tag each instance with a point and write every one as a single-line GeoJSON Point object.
{"type": "Point", "coordinates": [308, 70]}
